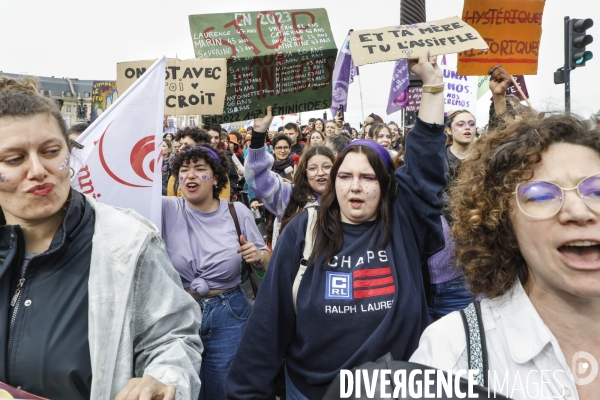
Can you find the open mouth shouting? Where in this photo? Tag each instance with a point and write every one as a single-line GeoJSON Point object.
{"type": "Point", "coordinates": [581, 254]}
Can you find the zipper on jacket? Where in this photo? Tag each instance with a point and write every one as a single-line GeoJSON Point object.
{"type": "Point", "coordinates": [17, 292]}
{"type": "Point", "coordinates": [13, 319]}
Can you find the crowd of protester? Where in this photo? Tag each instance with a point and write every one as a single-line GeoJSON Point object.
{"type": "Point", "coordinates": [418, 223]}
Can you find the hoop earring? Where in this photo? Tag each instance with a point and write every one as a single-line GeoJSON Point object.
{"type": "Point", "coordinates": [72, 172]}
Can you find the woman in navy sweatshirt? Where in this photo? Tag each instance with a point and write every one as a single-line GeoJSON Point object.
{"type": "Point", "coordinates": [362, 294]}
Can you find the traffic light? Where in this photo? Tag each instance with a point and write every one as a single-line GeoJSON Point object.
{"type": "Point", "coordinates": [578, 39]}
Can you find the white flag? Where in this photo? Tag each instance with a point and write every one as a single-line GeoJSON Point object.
{"type": "Point", "coordinates": [121, 162]}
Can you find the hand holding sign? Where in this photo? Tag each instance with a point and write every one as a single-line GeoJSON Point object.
{"type": "Point", "coordinates": [427, 68]}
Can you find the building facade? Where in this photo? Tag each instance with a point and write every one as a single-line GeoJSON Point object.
{"type": "Point", "coordinates": [70, 92]}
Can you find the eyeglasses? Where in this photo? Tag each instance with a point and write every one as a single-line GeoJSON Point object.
{"type": "Point", "coordinates": [463, 124]}
{"type": "Point", "coordinates": [542, 199]}
{"type": "Point", "coordinates": [286, 148]}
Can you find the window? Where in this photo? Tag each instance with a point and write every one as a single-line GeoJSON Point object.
{"type": "Point", "coordinates": [68, 94]}
{"type": "Point", "coordinates": [192, 120]}
{"type": "Point", "coordinates": [87, 95]}
{"type": "Point", "coordinates": [68, 109]}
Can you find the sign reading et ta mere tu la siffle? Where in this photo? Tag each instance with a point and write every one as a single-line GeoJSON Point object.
{"type": "Point", "coordinates": [444, 36]}
{"type": "Point", "coordinates": [280, 58]}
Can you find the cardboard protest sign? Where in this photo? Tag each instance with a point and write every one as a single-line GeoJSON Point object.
{"type": "Point", "coordinates": [103, 95]}
{"type": "Point", "coordinates": [192, 87]}
{"type": "Point", "coordinates": [512, 30]}
{"type": "Point", "coordinates": [279, 58]}
{"type": "Point", "coordinates": [445, 36]}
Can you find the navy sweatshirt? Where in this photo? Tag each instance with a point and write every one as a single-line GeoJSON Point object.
{"type": "Point", "coordinates": [365, 303]}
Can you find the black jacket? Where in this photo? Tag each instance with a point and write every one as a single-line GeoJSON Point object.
{"type": "Point", "coordinates": [48, 325]}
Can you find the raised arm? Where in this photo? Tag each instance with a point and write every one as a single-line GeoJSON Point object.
{"type": "Point", "coordinates": [268, 186]}
{"type": "Point", "coordinates": [421, 180]}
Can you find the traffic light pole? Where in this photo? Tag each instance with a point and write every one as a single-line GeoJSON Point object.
{"type": "Point", "coordinates": [567, 68]}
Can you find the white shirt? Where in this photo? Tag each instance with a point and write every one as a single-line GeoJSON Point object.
{"type": "Point", "coordinates": [519, 344]}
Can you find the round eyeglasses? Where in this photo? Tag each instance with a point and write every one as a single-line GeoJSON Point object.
{"type": "Point", "coordinates": [543, 199]}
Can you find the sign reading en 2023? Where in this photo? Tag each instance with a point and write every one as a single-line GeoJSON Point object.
{"type": "Point", "coordinates": [279, 58]}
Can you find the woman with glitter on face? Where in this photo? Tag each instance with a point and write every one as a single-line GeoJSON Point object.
{"type": "Point", "coordinates": [201, 238]}
{"type": "Point", "coordinates": [361, 294]}
{"type": "Point", "coordinates": [73, 270]}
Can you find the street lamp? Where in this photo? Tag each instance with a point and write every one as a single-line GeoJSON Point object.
{"type": "Point", "coordinates": [81, 111]}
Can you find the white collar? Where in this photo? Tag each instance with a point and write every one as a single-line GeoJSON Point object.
{"type": "Point", "coordinates": [525, 331]}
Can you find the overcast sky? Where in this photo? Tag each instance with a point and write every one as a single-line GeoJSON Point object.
{"type": "Point", "coordinates": [85, 40]}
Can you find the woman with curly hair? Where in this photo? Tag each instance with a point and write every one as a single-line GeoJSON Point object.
{"type": "Point", "coordinates": [202, 241]}
{"type": "Point", "coordinates": [526, 208]}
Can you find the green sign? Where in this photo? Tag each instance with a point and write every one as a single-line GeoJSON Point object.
{"type": "Point", "coordinates": [483, 85]}
{"type": "Point", "coordinates": [280, 58]}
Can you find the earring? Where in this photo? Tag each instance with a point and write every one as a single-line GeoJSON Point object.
{"type": "Point", "coordinates": [72, 172]}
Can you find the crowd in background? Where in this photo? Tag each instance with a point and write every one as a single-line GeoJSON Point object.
{"type": "Point", "coordinates": [359, 243]}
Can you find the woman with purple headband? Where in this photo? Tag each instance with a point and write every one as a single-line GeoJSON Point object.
{"type": "Point", "coordinates": [359, 293]}
{"type": "Point", "coordinates": [202, 241]}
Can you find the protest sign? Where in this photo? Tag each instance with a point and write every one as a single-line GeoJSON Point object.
{"type": "Point", "coordinates": [398, 97]}
{"type": "Point", "coordinates": [460, 92]}
{"type": "Point", "coordinates": [103, 95]}
{"type": "Point", "coordinates": [192, 87]}
{"type": "Point", "coordinates": [444, 36]}
{"type": "Point", "coordinates": [512, 30]}
{"type": "Point", "coordinates": [279, 58]}
{"type": "Point", "coordinates": [120, 163]}
{"type": "Point", "coordinates": [414, 98]}
{"type": "Point", "coordinates": [483, 85]}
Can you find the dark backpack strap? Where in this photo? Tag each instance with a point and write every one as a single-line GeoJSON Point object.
{"type": "Point", "coordinates": [476, 347]}
{"type": "Point", "coordinates": [239, 233]}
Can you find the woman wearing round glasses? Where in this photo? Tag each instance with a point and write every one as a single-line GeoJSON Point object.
{"type": "Point", "coordinates": [527, 228]}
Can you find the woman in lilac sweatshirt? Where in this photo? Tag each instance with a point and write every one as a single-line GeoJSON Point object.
{"type": "Point", "coordinates": [281, 198]}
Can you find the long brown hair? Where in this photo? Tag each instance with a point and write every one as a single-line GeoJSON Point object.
{"type": "Point", "coordinates": [328, 229]}
{"type": "Point", "coordinates": [302, 193]}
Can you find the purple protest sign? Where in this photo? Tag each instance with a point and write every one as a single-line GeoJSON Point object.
{"type": "Point", "coordinates": [512, 89]}
{"type": "Point", "coordinates": [343, 75]}
{"type": "Point", "coordinates": [414, 98]}
{"type": "Point", "coordinates": [398, 98]}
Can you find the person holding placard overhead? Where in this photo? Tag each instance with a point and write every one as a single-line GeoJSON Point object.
{"type": "Point", "coordinates": [360, 293]}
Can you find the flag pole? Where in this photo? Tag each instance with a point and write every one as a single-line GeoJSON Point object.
{"type": "Point", "coordinates": [362, 107]}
